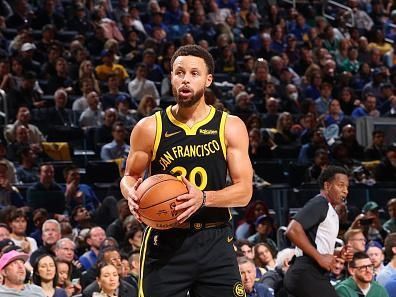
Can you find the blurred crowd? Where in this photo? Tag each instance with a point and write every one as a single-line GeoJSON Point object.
{"type": "Point", "coordinates": [84, 73]}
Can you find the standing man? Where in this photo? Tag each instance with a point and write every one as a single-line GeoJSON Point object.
{"type": "Point", "coordinates": [203, 236]}
{"type": "Point", "coordinates": [361, 282]}
{"type": "Point", "coordinates": [314, 230]}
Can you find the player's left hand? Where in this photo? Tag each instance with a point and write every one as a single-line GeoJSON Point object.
{"type": "Point", "coordinates": [192, 201]}
{"type": "Point", "coordinates": [346, 253]}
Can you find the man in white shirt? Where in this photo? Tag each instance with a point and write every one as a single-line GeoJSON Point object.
{"type": "Point", "coordinates": [141, 86]}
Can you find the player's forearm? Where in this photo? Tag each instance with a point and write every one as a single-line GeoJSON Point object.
{"type": "Point", "coordinates": [236, 195]}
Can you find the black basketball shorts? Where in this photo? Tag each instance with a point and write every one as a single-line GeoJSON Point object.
{"type": "Point", "coordinates": [177, 261]}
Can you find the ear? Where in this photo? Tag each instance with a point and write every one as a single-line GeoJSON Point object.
{"type": "Point", "coordinates": [351, 271]}
{"type": "Point", "coordinates": [209, 80]}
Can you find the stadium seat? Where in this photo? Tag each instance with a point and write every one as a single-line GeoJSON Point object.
{"type": "Point", "coordinates": [271, 170]}
{"type": "Point", "coordinates": [102, 172]}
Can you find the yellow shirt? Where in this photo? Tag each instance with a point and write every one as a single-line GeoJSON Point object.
{"type": "Point", "coordinates": [384, 48]}
{"type": "Point", "coordinates": [103, 71]}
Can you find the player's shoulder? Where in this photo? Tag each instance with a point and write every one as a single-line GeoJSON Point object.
{"type": "Point", "coordinates": [235, 129]}
{"type": "Point", "coordinates": [147, 123]}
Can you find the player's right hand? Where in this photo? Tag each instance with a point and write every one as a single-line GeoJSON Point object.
{"type": "Point", "coordinates": [133, 199]}
{"type": "Point", "coordinates": [326, 261]}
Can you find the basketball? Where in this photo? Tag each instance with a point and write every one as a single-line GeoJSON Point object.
{"type": "Point", "coordinates": [157, 202]}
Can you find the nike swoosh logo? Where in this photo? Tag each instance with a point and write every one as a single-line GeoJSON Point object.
{"type": "Point", "coordinates": [229, 239]}
{"type": "Point", "coordinates": [167, 134]}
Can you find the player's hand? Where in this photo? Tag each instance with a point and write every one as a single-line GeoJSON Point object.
{"type": "Point", "coordinates": [346, 253]}
{"type": "Point", "coordinates": [192, 201]}
{"type": "Point", "coordinates": [133, 199]}
{"type": "Point", "coordinates": [326, 261]}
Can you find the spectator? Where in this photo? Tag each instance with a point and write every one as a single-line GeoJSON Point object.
{"type": "Point", "coordinates": [116, 229]}
{"type": "Point", "coordinates": [356, 239]}
{"type": "Point", "coordinates": [4, 232]}
{"type": "Point", "coordinates": [94, 239]}
{"type": "Point", "coordinates": [322, 103]}
{"type": "Point", "coordinates": [108, 67]}
{"type": "Point", "coordinates": [264, 228]}
{"type": "Point", "coordinates": [11, 172]}
{"type": "Point", "coordinates": [45, 275]}
{"type": "Point", "coordinates": [46, 193]}
{"type": "Point", "coordinates": [270, 117]}
{"type": "Point", "coordinates": [39, 216]}
{"type": "Point", "coordinates": [87, 86]}
{"type": "Point", "coordinates": [17, 221]}
{"type": "Point", "coordinates": [62, 77]}
{"type": "Point", "coordinates": [377, 149]}
{"type": "Point", "coordinates": [284, 135]}
{"type": "Point", "coordinates": [51, 233]}
{"type": "Point", "coordinates": [389, 271]}
{"type": "Point", "coordinates": [14, 273]}
{"type": "Point", "coordinates": [147, 106]}
{"type": "Point", "coordinates": [133, 240]}
{"type": "Point", "coordinates": [254, 210]}
{"type": "Point", "coordinates": [265, 256]}
{"type": "Point", "coordinates": [368, 108]}
{"type": "Point", "coordinates": [386, 170]}
{"type": "Point", "coordinates": [118, 148]}
{"type": "Point", "coordinates": [362, 20]}
{"type": "Point", "coordinates": [337, 273]}
{"type": "Point", "coordinates": [361, 279]}
{"type": "Point", "coordinates": [92, 116]}
{"type": "Point", "coordinates": [320, 162]}
{"type": "Point", "coordinates": [390, 225]}
{"type": "Point", "coordinates": [27, 171]}
{"type": "Point", "coordinates": [77, 193]}
{"type": "Point", "coordinates": [376, 255]}
{"type": "Point", "coordinates": [109, 98]}
{"type": "Point", "coordinates": [141, 85]}
{"type": "Point", "coordinates": [65, 251]}
{"type": "Point", "coordinates": [9, 195]}
{"type": "Point", "coordinates": [22, 140]}
{"type": "Point", "coordinates": [250, 286]}
{"type": "Point", "coordinates": [60, 116]}
{"type": "Point", "coordinates": [23, 119]}
{"type": "Point", "coordinates": [335, 115]}
{"type": "Point", "coordinates": [348, 138]}
{"type": "Point", "coordinates": [48, 15]}
{"type": "Point", "coordinates": [308, 151]}
{"type": "Point", "coordinates": [102, 134]}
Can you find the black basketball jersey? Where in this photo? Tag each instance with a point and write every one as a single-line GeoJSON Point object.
{"type": "Point", "coordinates": [198, 153]}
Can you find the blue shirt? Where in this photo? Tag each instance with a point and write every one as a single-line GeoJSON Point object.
{"type": "Point", "coordinates": [112, 150]}
{"type": "Point", "coordinates": [359, 112]}
{"type": "Point", "coordinates": [260, 290]}
{"type": "Point", "coordinates": [88, 259]}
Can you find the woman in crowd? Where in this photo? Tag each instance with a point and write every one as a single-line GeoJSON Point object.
{"type": "Point", "coordinates": [265, 256]}
{"type": "Point", "coordinates": [108, 280]}
{"type": "Point", "coordinates": [45, 275]}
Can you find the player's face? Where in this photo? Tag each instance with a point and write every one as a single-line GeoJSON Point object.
{"type": "Point", "coordinates": [189, 79]}
{"type": "Point", "coordinates": [337, 189]}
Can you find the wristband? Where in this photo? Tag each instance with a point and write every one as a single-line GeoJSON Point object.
{"type": "Point", "coordinates": [203, 199]}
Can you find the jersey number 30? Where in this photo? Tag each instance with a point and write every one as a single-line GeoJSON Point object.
{"type": "Point", "coordinates": [197, 176]}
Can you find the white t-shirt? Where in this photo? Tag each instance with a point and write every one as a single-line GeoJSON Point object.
{"type": "Point", "coordinates": [32, 241]}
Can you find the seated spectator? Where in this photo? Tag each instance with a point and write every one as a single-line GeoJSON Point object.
{"type": "Point", "coordinates": [14, 274]}
{"type": "Point", "coordinates": [283, 135]}
{"type": "Point", "coordinates": [147, 106]}
{"type": "Point", "coordinates": [390, 225]}
{"type": "Point", "coordinates": [51, 233]}
{"type": "Point", "coordinates": [109, 98]}
{"type": "Point", "coordinates": [102, 134]}
{"type": "Point", "coordinates": [17, 221]}
{"type": "Point", "coordinates": [270, 117]}
{"type": "Point", "coordinates": [116, 228]}
{"type": "Point", "coordinates": [118, 148]}
{"type": "Point", "coordinates": [254, 210]}
{"type": "Point", "coordinates": [261, 145]}
{"type": "Point", "coordinates": [386, 170]}
{"type": "Point", "coordinates": [28, 171]}
{"type": "Point", "coordinates": [87, 86]}
{"type": "Point", "coordinates": [356, 239]}
{"type": "Point", "coordinates": [124, 112]}
{"type": "Point", "coordinates": [133, 240]}
{"type": "Point", "coordinates": [23, 119]}
{"type": "Point", "coordinates": [320, 161]}
{"type": "Point", "coordinates": [265, 256]}
{"type": "Point", "coordinates": [92, 116]}
{"type": "Point", "coordinates": [389, 271]}
{"type": "Point", "coordinates": [335, 115]}
{"type": "Point", "coordinates": [65, 251]}
{"type": "Point", "coordinates": [248, 275]}
{"type": "Point", "coordinates": [4, 232]}
{"type": "Point", "coordinates": [264, 228]}
{"type": "Point", "coordinates": [25, 95]}
{"type": "Point", "coordinates": [64, 281]}
{"type": "Point", "coordinates": [50, 56]}
{"type": "Point", "coordinates": [9, 195]}
{"type": "Point", "coordinates": [307, 151]}
{"type": "Point", "coordinates": [348, 138]}
{"type": "Point", "coordinates": [46, 193]}
{"type": "Point", "coordinates": [322, 103]}
{"type": "Point", "coordinates": [154, 71]}
{"type": "Point", "coordinates": [109, 281]}
{"type": "Point", "coordinates": [22, 140]}
{"type": "Point", "coordinates": [80, 21]}
{"type": "Point", "coordinates": [39, 216]}
{"type": "Point", "coordinates": [61, 79]}
{"type": "Point", "coordinates": [81, 219]}
{"type": "Point", "coordinates": [76, 193]}
{"type": "Point", "coordinates": [337, 273]}
{"type": "Point", "coordinates": [376, 151]}
{"type": "Point", "coordinates": [94, 239]}
{"type": "Point", "coordinates": [47, 14]}
{"type": "Point", "coordinates": [27, 54]}
{"type": "Point", "coordinates": [361, 280]}
{"type": "Point", "coordinates": [45, 275]}
{"type": "Point", "coordinates": [11, 172]}
{"type": "Point", "coordinates": [244, 107]}
{"type": "Point", "coordinates": [368, 108]}
{"type": "Point", "coordinates": [141, 86]}
{"type": "Point", "coordinates": [376, 255]}
{"type": "Point", "coordinates": [109, 67]}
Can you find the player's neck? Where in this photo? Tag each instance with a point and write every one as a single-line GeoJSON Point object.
{"type": "Point", "coordinates": [191, 115]}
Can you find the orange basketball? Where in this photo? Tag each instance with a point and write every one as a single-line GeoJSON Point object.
{"type": "Point", "coordinates": [158, 200]}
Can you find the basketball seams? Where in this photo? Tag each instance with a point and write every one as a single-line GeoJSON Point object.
{"type": "Point", "coordinates": [162, 201]}
{"type": "Point", "coordinates": [148, 189]}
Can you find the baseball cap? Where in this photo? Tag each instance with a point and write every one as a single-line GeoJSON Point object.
{"type": "Point", "coordinates": [5, 242]}
{"type": "Point", "coordinates": [122, 98]}
{"type": "Point", "coordinates": [374, 243]}
{"type": "Point", "coordinates": [263, 218]}
{"type": "Point", "coordinates": [11, 256]}
{"type": "Point", "coordinates": [27, 47]}
{"type": "Point", "coordinates": [371, 205]}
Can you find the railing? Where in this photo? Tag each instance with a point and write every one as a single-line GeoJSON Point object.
{"type": "Point", "coordinates": [3, 107]}
{"type": "Point", "coordinates": [339, 5]}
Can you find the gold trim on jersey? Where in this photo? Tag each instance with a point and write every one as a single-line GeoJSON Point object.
{"type": "Point", "coordinates": [158, 133]}
{"type": "Point", "coordinates": [193, 130]}
{"type": "Point", "coordinates": [222, 133]}
{"type": "Point", "coordinates": [143, 251]}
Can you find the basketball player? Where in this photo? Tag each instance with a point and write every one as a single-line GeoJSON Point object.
{"type": "Point", "coordinates": [314, 230]}
{"type": "Point", "coordinates": [199, 143]}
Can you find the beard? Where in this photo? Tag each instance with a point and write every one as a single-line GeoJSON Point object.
{"type": "Point", "coordinates": [187, 101]}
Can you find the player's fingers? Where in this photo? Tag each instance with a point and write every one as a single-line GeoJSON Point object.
{"type": "Point", "coordinates": [185, 215]}
{"type": "Point", "coordinates": [184, 197]}
{"type": "Point", "coordinates": [138, 182]}
{"type": "Point", "coordinates": [132, 205]}
{"type": "Point", "coordinates": [184, 205]}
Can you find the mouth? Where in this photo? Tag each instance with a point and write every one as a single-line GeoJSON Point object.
{"type": "Point", "coordinates": [185, 91]}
